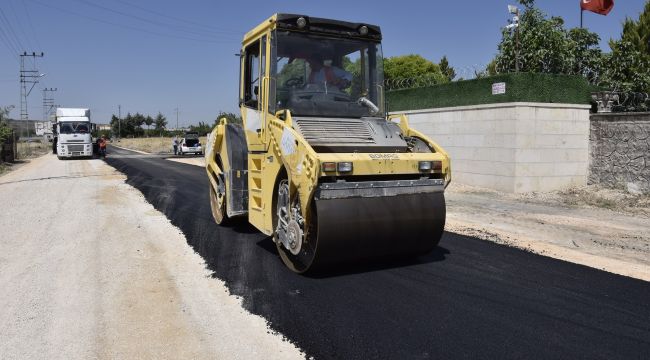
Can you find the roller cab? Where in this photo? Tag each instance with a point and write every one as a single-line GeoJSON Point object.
{"type": "Point", "coordinates": [318, 164]}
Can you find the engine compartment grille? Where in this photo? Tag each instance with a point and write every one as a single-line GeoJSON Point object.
{"type": "Point", "coordinates": [318, 131]}
{"type": "Point", "coordinates": [75, 148]}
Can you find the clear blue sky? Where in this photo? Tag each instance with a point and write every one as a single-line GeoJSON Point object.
{"type": "Point", "coordinates": [157, 55]}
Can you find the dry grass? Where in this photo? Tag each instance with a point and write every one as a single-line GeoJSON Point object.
{"type": "Point", "coordinates": [32, 149]}
{"type": "Point", "coordinates": [26, 150]}
{"type": "Point", "coordinates": [157, 145]}
{"type": "Point", "coordinates": [613, 199]}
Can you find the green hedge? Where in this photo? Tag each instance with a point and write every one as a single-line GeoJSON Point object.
{"type": "Point", "coordinates": [520, 87]}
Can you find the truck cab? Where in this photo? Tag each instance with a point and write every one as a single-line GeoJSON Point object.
{"type": "Point", "coordinates": [73, 133]}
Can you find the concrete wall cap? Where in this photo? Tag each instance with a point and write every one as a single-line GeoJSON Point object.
{"type": "Point", "coordinates": [496, 106]}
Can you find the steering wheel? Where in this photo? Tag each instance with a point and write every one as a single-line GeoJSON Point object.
{"type": "Point", "coordinates": [294, 81]}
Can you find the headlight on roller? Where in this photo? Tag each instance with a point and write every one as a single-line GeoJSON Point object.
{"type": "Point", "coordinates": [425, 166]}
{"type": "Point", "coordinates": [345, 167]}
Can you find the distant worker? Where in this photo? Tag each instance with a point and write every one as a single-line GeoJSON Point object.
{"type": "Point", "coordinates": [102, 142]}
{"type": "Point", "coordinates": [175, 144]}
{"type": "Point", "coordinates": [325, 72]}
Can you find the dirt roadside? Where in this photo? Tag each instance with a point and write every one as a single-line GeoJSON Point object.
{"type": "Point", "coordinates": [89, 269]}
{"type": "Point", "coordinates": [559, 225]}
{"type": "Point", "coordinates": [601, 228]}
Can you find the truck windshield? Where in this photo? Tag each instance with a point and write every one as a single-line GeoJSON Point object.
{"type": "Point", "coordinates": [321, 76]}
{"type": "Point", "coordinates": [73, 127]}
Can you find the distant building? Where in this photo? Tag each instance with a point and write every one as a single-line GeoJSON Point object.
{"type": "Point", "coordinates": [43, 128]}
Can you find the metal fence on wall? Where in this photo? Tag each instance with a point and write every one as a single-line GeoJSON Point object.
{"type": "Point", "coordinates": [617, 101]}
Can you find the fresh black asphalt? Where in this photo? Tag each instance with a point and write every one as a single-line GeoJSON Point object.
{"type": "Point", "coordinates": [468, 299]}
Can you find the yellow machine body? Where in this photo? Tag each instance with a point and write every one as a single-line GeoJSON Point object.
{"type": "Point", "coordinates": [269, 159]}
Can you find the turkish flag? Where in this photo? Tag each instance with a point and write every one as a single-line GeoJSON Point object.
{"type": "Point", "coordinates": [602, 7]}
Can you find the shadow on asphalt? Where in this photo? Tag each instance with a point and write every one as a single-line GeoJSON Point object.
{"type": "Point", "coordinates": [240, 225]}
{"type": "Point", "coordinates": [360, 267]}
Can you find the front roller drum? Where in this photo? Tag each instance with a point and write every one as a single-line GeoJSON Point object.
{"type": "Point", "coordinates": [352, 229]}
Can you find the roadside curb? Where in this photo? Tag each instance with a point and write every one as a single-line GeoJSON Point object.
{"type": "Point", "coordinates": [125, 148]}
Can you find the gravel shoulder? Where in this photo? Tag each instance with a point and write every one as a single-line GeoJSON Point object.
{"type": "Point", "coordinates": [89, 269]}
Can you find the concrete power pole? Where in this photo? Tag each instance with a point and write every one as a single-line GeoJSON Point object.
{"type": "Point", "coordinates": [27, 77]}
{"type": "Point", "coordinates": [48, 103]}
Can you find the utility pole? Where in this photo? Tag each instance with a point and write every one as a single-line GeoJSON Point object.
{"type": "Point", "coordinates": [48, 103]}
{"type": "Point", "coordinates": [27, 77]}
{"type": "Point", "coordinates": [517, 45]}
{"type": "Point", "coordinates": [119, 121]}
{"type": "Point", "coordinates": [176, 119]}
{"type": "Point", "coordinates": [514, 24]}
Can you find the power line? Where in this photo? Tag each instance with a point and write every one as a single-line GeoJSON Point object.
{"type": "Point", "coordinates": [140, 18]}
{"type": "Point", "coordinates": [11, 33]}
{"type": "Point", "coordinates": [208, 27]}
{"type": "Point", "coordinates": [18, 25]}
{"type": "Point", "coordinates": [31, 24]}
{"type": "Point", "coordinates": [9, 46]}
{"type": "Point", "coordinates": [125, 26]}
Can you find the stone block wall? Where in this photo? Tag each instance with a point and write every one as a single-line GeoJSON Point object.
{"type": "Point", "coordinates": [512, 147]}
{"type": "Point", "coordinates": [620, 150]}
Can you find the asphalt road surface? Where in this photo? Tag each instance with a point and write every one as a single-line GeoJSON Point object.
{"type": "Point", "coordinates": [468, 299]}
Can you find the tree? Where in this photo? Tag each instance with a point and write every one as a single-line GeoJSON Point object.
{"type": "Point", "coordinates": [637, 33]}
{"type": "Point", "coordinates": [447, 70]}
{"type": "Point", "coordinates": [115, 125]}
{"type": "Point", "coordinates": [412, 66]}
{"type": "Point", "coordinates": [232, 118]}
{"type": "Point", "coordinates": [148, 120]}
{"type": "Point", "coordinates": [528, 4]}
{"type": "Point", "coordinates": [627, 67]}
{"type": "Point", "coordinates": [138, 120]}
{"type": "Point", "coordinates": [160, 122]}
{"type": "Point", "coordinates": [584, 55]}
{"type": "Point", "coordinates": [542, 45]}
{"type": "Point", "coordinates": [545, 46]}
{"type": "Point", "coordinates": [5, 129]}
{"type": "Point", "coordinates": [202, 128]}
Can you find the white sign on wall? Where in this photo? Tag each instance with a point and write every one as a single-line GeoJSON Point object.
{"type": "Point", "coordinates": [498, 88]}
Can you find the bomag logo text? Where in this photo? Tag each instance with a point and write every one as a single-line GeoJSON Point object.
{"type": "Point", "coordinates": [384, 156]}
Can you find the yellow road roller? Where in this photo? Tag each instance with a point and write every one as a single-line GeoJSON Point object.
{"type": "Point", "coordinates": [318, 163]}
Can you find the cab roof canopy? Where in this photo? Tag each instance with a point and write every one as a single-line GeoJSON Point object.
{"type": "Point", "coordinates": [336, 28]}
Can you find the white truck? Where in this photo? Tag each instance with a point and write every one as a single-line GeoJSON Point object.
{"type": "Point", "coordinates": [72, 133]}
